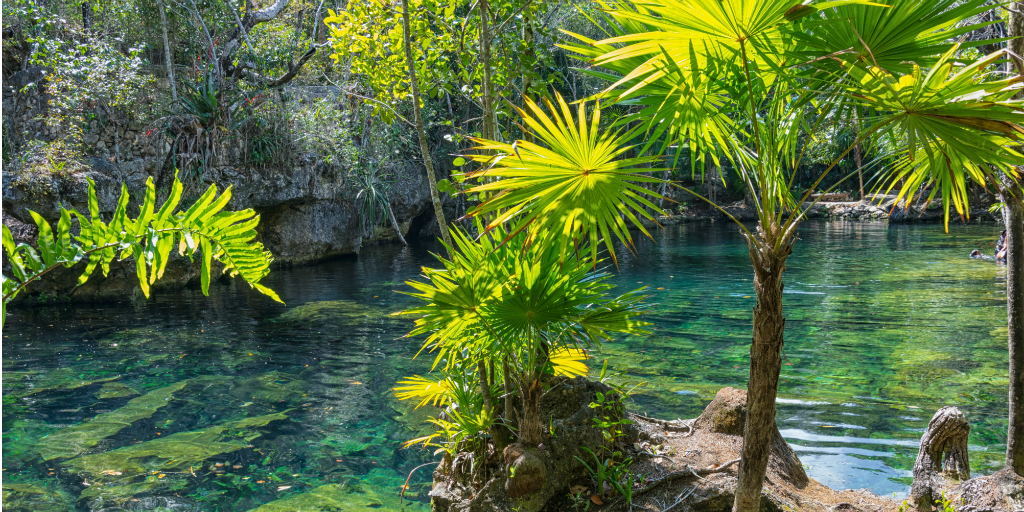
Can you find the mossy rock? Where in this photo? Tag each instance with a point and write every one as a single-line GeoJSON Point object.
{"type": "Point", "coordinates": [331, 312]}
{"type": "Point", "coordinates": [115, 390]}
{"type": "Point", "coordinates": [176, 452]}
{"type": "Point", "coordinates": [270, 387]}
{"type": "Point", "coordinates": [122, 493]}
{"type": "Point", "coordinates": [64, 379]}
{"type": "Point", "coordinates": [342, 497]}
{"type": "Point", "coordinates": [77, 439]}
{"type": "Point", "coordinates": [27, 497]}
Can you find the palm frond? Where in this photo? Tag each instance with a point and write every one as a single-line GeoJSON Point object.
{"type": "Point", "coordinates": [574, 185]}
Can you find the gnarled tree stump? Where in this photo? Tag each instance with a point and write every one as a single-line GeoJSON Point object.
{"type": "Point", "coordinates": [942, 459]}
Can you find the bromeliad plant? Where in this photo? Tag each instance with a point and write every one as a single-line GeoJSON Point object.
{"type": "Point", "coordinates": [205, 229]}
{"type": "Point", "coordinates": [502, 312]}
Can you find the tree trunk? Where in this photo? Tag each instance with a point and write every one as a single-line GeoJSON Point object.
{"type": "Point", "coordinates": [943, 453]}
{"type": "Point", "coordinates": [394, 224]}
{"type": "Point", "coordinates": [531, 431]}
{"type": "Point", "coordinates": [420, 132]}
{"type": "Point", "coordinates": [1013, 217]}
{"type": "Point", "coordinates": [1015, 30]}
{"type": "Point", "coordinates": [86, 16]}
{"type": "Point", "coordinates": [765, 364]}
{"type": "Point", "coordinates": [856, 152]}
{"type": "Point", "coordinates": [490, 126]}
{"type": "Point", "coordinates": [167, 51]}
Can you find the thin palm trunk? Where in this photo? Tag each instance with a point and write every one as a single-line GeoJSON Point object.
{"type": "Point", "coordinates": [1013, 217]}
{"type": "Point", "coordinates": [485, 59]}
{"type": "Point", "coordinates": [420, 132]}
{"type": "Point", "coordinates": [394, 224]}
{"type": "Point", "coordinates": [768, 254]}
{"type": "Point", "coordinates": [167, 51]}
{"type": "Point", "coordinates": [856, 152]}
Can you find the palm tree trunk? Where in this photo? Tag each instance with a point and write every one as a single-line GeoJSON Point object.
{"type": "Point", "coordinates": [1013, 217]}
{"type": "Point", "coordinates": [167, 51]}
{"type": "Point", "coordinates": [856, 152]}
{"type": "Point", "coordinates": [420, 132]}
{"type": "Point", "coordinates": [765, 364]}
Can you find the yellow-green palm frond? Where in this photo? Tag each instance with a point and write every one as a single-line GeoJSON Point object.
{"type": "Point", "coordinates": [436, 393]}
{"type": "Point", "coordinates": [573, 184]}
{"type": "Point", "coordinates": [569, 361]}
{"type": "Point", "coordinates": [957, 125]}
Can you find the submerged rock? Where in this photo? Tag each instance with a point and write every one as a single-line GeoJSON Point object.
{"type": "Point", "coordinates": [115, 390]}
{"type": "Point", "coordinates": [27, 497]}
{"type": "Point", "coordinates": [77, 439]}
{"type": "Point", "coordinates": [349, 497]}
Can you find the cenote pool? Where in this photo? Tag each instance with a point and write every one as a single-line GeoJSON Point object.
{"type": "Point", "coordinates": [237, 403]}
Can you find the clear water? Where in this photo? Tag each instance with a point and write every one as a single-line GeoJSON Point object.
{"type": "Point", "coordinates": [884, 326]}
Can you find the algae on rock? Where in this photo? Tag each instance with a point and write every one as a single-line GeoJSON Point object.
{"type": "Point", "coordinates": [341, 497]}
{"type": "Point", "coordinates": [28, 497]}
{"type": "Point", "coordinates": [176, 452]}
{"type": "Point", "coordinates": [115, 390]}
{"type": "Point", "coordinates": [332, 312]}
{"type": "Point", "coordinates": [270, 387]}
{"type": "Point", "coordinates": [64, 379]}
{"type": "Point", "coordinates": [77, 439]}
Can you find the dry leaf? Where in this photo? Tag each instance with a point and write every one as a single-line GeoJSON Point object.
{"type": "Point", "coordinates": [576, 489]}
{"type": "Point", "coordinates": [597, 500]}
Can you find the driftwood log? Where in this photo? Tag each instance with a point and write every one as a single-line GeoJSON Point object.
{"type": "Point", "coordinates": [942, 460]}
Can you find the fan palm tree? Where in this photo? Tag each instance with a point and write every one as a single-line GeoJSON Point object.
{"type": "Point", "coordinates": [513, 309]}
{"type": "Point", "coordinates": [747, 77]}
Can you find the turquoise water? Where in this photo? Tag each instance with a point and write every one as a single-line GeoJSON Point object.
{"type": "Point", "coordinates": [131, 405]}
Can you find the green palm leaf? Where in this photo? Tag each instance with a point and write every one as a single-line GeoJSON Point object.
{"type": "Point", "coordinates": [957, 125]}
{"type": "Point", "coordinates": [574, 185]}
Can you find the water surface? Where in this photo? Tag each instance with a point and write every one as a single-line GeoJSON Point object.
{"type": "Point", "coordinates": [884, 326]}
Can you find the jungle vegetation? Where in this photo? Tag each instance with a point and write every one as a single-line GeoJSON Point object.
{"type": "Point", "coordinates": [576, 122]}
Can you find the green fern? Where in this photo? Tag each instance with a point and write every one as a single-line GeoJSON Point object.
{"type": "Point", "coordinates": [205, 228]}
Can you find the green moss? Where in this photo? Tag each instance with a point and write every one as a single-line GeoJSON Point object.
{"type": "Point", "coordinates": [75, 440]}
{"type": "Point", "coordinates": [176, 452]}
{"type": "Point", "coordinates": [64, 379]}
{"type": "Point", "coordinates": [269, 387]}
{"type": "Point", "coordinates": [122, 493]}
{"type": "Point", "coordinates": [333, 312]}
{"type": "Point", "coordinates": [342, 497]}
{"type": "Point", "coordinates": [18, 497]}
{"type": "Point", "coordinates": [115, 390]}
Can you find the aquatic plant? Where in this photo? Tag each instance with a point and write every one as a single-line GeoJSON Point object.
{"type": "Point", "coordinates": [204, 228]}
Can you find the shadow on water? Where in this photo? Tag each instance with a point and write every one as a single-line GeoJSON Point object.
{"type": "Point", "coordinates": [132, 405]}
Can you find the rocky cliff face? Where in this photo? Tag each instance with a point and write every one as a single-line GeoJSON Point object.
{"type": "Point", "coordinates": [307, 209]}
